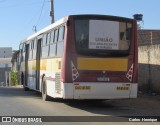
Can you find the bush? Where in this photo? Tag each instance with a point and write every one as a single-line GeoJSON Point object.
{"type": "Point", "coordinates": [14, 78]}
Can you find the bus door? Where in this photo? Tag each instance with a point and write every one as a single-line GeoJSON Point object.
{"type": "Point", "coordinates": [26, 64]}
{"type": "Point", "coordinates": [38, 55]}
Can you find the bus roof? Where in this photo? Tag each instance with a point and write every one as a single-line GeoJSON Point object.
{"type": "Point", "coordinates": [44, 30]}
{"type": "Point", "coordinates": [102, 16]}
{"type": "Point", "coordinates": [62, 20]}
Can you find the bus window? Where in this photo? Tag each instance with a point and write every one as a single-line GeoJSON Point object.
{"type": "Point", "coordinates": [56, 33]}
{"type": "Point", "coordinates": [24, 48]}
{"type": "Point", "coordinates": [30, 50]}
{"type": "Point", "coordinates": [52, 36]}
{"type": "Point", "coordinates": [48, 38]}
{"type": "Point", "coordinates": [45, 51]}
{"type": "Point", "coordinates": [129, 31]}
{"type": "Point", "coordinates": [35, 43]}
{"type": "Point", "coordinates": [34, 48]}
{"type": "Point", "coordinates": [61, 34]}
{"type": "Point", "coordinates": [60, 41]}
{"type": "Point", "coordinates": [44, 40]}
{"type": "Point", "coordinates": [125, 35]}
{"type": "Point", "coordinates": [82, 31]}
{"type": "Point", "coordinates": [59, 49]}
{"type": "Point", "coordinates": [102, 37]}
{"type": "Point", "coordinates": [21, 47]}
{"type": "Point", "coordinates": [23, 53]}
{"type": "Point", "coordinates": [32, 44]}
{"type": "Point", "coordinates": [52, 51]}
{"type": "Point", "coordinates": [34, 53]}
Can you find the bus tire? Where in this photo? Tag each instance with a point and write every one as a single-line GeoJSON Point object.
{"type": "Point", "coordinates": [45, 97]}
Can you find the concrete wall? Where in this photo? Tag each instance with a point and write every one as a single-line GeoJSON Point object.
{"type": "Point", "coordinates": [149, 68]}
{"type": "Point", "coordinates": [5, 66]}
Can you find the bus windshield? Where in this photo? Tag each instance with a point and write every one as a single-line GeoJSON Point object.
{"type": "Point", "coordinates": [102, 36]}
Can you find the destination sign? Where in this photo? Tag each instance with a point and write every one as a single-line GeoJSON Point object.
{"type": "Point", "coordinates": [103, 35]}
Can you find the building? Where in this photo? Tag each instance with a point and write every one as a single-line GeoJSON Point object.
{"type": "Point", "coordinates": [5, 52]}
{"type": "Point", "coordinates": [149, 60]}
{"type": "Point", "coordinates": [5, 63]}
{"type": "Point", "coordinates": [14, 60]}
{"type": "Point", "coordinates": [148, 37]}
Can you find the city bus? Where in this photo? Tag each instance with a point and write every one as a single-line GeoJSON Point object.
{"type": "Point", "coordinates": [82, 57]}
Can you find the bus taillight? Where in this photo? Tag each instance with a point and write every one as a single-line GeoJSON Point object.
{"type": "Point", "coordinates": [75, 73]}
{"type": "Point", "coordinates": [130, 73]}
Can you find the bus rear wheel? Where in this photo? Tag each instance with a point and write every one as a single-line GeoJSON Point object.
{"type": "Point", "coordinates": [45, 97]}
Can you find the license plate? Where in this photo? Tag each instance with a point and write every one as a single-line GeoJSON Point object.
{"type": "Point", "coordinates": [103, 79]}
{"type": "Point", "coordinates": [123, 88]}
{"type": "Point", "coordinates": [82, 87]}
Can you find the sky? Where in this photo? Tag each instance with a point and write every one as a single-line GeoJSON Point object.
{"type": "Point", "coordinates": [18, 18]}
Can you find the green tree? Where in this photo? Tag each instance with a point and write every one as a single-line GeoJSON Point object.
{"type": "Point", "coordinates": [14, 78]}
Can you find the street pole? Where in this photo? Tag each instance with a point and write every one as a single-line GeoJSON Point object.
{"type": "Point", "coordinates": [52, 11]}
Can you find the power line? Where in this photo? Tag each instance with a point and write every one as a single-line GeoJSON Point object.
{"type": "Point", "coordinates": [40, 14]}
{"type": "Point", "coordinates": [29, 23]}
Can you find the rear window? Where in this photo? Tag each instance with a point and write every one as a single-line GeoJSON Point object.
{"type": "Point", "coordinates": [101, 35]}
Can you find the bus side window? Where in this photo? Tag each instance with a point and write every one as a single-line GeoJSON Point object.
{"type": "Point", "coordinates": [56, 35]}
{"type": "Point", "coordinates": [45, 47]}
{"type": "Point", "coordinates": [52, 36]}
{"type": "Point", "coordinates": [30, 50]}
{"type": "Point", "coordinates": [48, 38]}
{"type": "Point", "coordinates": [52, 50]}
{"type": "Point", "coordinates": [24, 48]}
{"type": "Point", "coordinates": [34, 48]}
{"type": "Point", "coordinates": [23, 53]}
{"type": "Point", "coordinates": [21, 47]}
{"type": "Point", "coordinates": [60, 41]}
{"type": "Point", "coordinates": [61, 34]}
{"type": "Point", "coordinates": [44, 39]}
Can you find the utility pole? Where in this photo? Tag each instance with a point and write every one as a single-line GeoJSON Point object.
{"type": "Point", "coordinates": [52, 11]}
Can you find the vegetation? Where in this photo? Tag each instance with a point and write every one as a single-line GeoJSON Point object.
{"type": "Point", "coordinates": [14, 78]}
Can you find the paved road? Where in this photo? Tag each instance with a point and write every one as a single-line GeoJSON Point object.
{"type": "Point", "coordinates": [16, 102]}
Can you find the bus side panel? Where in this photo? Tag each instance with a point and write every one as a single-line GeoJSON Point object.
{"type": "Point", "coordinates": [50, 72]}
{"type": "Point", "coordinates": [67, 53]}
{"type": "Point", "coordinates": [134, 85]}
{"type": "Point", "coordinates": [31, 82]}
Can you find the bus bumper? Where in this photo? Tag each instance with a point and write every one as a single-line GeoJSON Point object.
{"type": "Point", "coordinates": [87, 90]}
